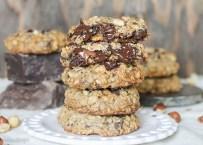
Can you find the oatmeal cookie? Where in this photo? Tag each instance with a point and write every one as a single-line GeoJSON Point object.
{"type": "Point", "coordinates": [94, 29]}
{"type": "Point", "coordinates": [160, 85]}
{"type": "Point", "coordinates": [111, 55]}
{"type": "Point", "coordinates": [103, 102]}
{"type": "Point", "coordinates": [35, 42]}
{"type": "Point", "coordinates": [97, 77]}
{"type": "Point", "coordinates": [160, 63]}
{"type": "Point", "coordinates": [86, 124]}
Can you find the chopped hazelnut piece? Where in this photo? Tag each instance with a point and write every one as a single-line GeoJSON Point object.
{"type": "Point", "coordinates": [1, 141]}
{"type": "Point", "coordinates": [175, 115]}
{"type": "Point", "coordinates": [3, 120]}
{"type": "Point", "coordinates": [14, 121]}
{"type": "Point", "coordinates": [200, 119]}
{"type": "Point", "coordinates": [160, 107]}
{"type": "Point", "coordinates": [4, 127]}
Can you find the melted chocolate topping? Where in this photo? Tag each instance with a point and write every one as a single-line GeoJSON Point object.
{"type": "Point", "coordinates": [108, 32]}
{"type": "Point", "coordinates": [111, 58]}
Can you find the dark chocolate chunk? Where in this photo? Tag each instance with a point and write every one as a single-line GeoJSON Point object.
{"type": "Point", "coordinates": [33, 96]}
{"type": "Point", "coordinates": [26, 69]}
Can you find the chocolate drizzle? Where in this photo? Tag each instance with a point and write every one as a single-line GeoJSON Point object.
{"type": "Point", "coordinates": [111, 58]}
{"type": "Point", "coordinates": [107, 30]}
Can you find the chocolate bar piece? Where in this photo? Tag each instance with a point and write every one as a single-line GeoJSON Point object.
{"type": "Point", "coordinates": [27, 69]}
{"type": "Point", "coordinates": [33, 96]}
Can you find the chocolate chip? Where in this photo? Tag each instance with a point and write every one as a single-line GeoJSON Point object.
{"type": "Point", "coordinates": [109, 65]}
{"type": "Point", "coordinates": [30, 30]}
{"type": "Point", "coordinates": [100, 57]}
{"type": "Point", "coordinates": [109, 32]}
{"type": "Point", "coordinates": [45, 31]}
{"type": "Point", "coordinates": [94, 29]}
{"type": "Point", "coordinates": [127, 53]}
{"type": "Point", "coordinates": [84, 31]}
{"type": "Point", "coordinates": [77, 60]}
{"type": "Point", "coordinates": [139, 34]}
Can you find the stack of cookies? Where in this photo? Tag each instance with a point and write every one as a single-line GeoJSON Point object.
{"type": "Point", "coordinates": [33, 65]}
{"type": "Point", "coordinates": [100, 63]}
{"type": "Point", "coordinates": [160, 70]}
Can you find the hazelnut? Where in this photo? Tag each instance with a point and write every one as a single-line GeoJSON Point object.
{"type": "Point", "coordinates": [3, 120]}
{"type": "Point", "coordinates": [118, 22]}
{"type": "Point", "coordinates": [160, 107]}
{"type": "Point", "coordinates": [4, 127]}
{"type": "Point", "coordinates": [35, 32]}
{"type": "Point", "coordinates": [97, 37]}
{"type": "Point", "coordinates": [1, 141]}
{"type": "Point", "coordinates": [200, 119]}
{"type": "Point", "coordinates": [14, 121]}
{"type": "Point", "coordinates": [175, 115]}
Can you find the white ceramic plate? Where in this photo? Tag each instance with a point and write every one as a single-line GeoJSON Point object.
{"type": "Point", "coordinates": [154, 126]}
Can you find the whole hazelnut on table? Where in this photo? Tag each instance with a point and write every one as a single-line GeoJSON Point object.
{"type": "Point", "coordinates": [14, 121]}
{"type": "Point", "coordinates": [4, 124]}
{"type": "Point", "coordinates": [160, 107]}
{"type": "Point", "coordinates": [4, 127]}
{"type": "Point", "coordinates": [200, 119]}
{"type": "Point", "coordinates": [1, 141]}
{"type": "Point", "coordinates": [3, 120]}
{"type": "Point", "coordinates": [175, 115]}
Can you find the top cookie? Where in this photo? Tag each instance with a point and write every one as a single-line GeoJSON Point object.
{"type": "Point", "coordinates": [107, 29]}
{"type": "Point", "coordinates": [160, 63]}
{"type": "Point", "coordinates": [35, 42]}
